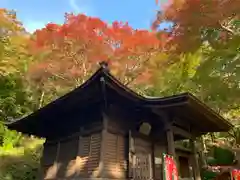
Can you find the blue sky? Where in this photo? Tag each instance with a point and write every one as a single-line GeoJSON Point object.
{"type": "Point", "coordinates": [36, 13]}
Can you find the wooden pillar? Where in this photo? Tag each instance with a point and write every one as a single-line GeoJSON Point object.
{"type": "Point", "coordinates": [130, 155]}
{"type": "Point", "coordinates": [53, 169]}
{"type": "Point", "coordinates": [170, 141]}
{"type": "Point", "coordinates": [195, 164]}
{"type": "Point", "coordinates": [103, 146]}
{"type": "Point", "coordinates": [153, 160]}
{"type": "Point", "coordinates": [171, 145]}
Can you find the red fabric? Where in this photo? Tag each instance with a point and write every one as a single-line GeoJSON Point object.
{"type": "Point", "coordinates": [235, 174]}
{"type": "Point", "coordinates": [170, 168]}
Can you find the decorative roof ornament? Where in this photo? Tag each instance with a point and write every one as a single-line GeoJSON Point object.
{"type": "Point", "coordinates": [104, 65]}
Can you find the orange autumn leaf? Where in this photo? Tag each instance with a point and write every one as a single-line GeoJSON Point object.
{"type": "Point", "coordinates": [73, 49]}
{"type": "Point", "coordinates": [193, 20]}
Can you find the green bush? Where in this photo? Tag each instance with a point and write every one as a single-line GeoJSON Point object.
{"type": "Point", "coordinates": [19, 155]}
{"type": "Point", "coordinates": [212, 162]}
{"type": "Point", "coordinates": [223, 156]}
{"type": "Point", "coordinates": [208, 175]}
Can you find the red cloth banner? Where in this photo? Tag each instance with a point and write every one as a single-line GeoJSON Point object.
{"type": "Point", "coordinates": [169, 168]}
{"type": "Point", "coordinates": [235, 174]}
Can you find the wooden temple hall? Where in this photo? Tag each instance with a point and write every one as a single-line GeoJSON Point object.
{"type": "Point", "coordinates": [102, 129]}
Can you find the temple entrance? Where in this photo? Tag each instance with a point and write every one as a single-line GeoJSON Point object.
{"type": "Point", "coordinates": [184, 171]}
{"type": "Point", "coordinates": [142, 160]}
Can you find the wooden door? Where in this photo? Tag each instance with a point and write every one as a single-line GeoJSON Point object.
{"type": "Point", "coordinates": [141, 160]}
{"type": "Point", "coordinates": [184, 170]}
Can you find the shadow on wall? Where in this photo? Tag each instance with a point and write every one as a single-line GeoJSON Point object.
{"type": "Point", "coordinates": [81, 160]}
{"type": "Point", "coordinates": [80, 168]}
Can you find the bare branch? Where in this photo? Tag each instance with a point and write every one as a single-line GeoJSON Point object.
{"type": "Point", "coordinates": [226, 28]}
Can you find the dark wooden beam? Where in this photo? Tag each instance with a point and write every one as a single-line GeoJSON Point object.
{"type": "Point", "coordinates": [181, 132]}
{"type": "Point", "coordinates": [164, 117]}
{"type": "Point", "coordinates": [182, 122]}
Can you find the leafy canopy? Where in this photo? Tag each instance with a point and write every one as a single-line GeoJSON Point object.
{"type": "Point", "coordinates": [69, 53]}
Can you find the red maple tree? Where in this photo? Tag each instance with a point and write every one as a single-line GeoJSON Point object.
{"type": "Point", "coordinates": [198, 21]}
{"type": "Point", "coordinates": [72, 50]}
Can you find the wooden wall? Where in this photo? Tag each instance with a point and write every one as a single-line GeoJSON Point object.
{"type": "Point", "coordinates": [75, 157]}
{"type": "Point", "coordinates": [117, 160]}
{"type": "Point", "coordinates": [114, 156]}
{"type": "Point", "coordinates": [115, 152]}
{"type": "Point", "coordinates": [99, 150]}
{"type": "Point", "coordinates": [48, 161]}
{"type": "Point", "coordinates": [80, 155]}
{"type": "Point", "coordinates": [159, 149]}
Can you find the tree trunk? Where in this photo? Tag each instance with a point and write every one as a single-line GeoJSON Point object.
{"type": "Point", "coordinates": [41, 100]}
{"type": "Point", "coordinates": [203, 151]}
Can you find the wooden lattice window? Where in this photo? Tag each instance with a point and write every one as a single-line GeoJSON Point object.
{"type": "Point", "coordinates": [89, 154]}
{"type": "Point", "coordinates": [114, 156]}
{"type": "Point", "coordinates": [141, 165]}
